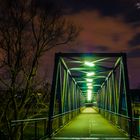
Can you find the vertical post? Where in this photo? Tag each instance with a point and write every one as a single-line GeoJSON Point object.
{"type": "Point", "coordinates": [52, 97]}
{"type": "Point", "coordinates": [60, 95]}
{"type": "Point", "coordinates": [45, 127]}
{"type": "Point", "coordinates": [124, 60]}
{"type": "Point", "coordinates": [21, 130]}
{"type": "Point", "coordinates": [35, 130]}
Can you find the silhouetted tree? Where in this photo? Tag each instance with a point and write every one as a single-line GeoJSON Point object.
{"type": "Point", "coordinates": [28, 28]}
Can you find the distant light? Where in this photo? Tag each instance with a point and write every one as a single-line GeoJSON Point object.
{"type": "Point", "coordinates": [90, 64]}
{"type": "Point", "coordinates": [138, 5]}
{"type": "Point", "coordinates": [89, 80]}
{"type": "Point", "coordinates": [90, 73]}
{"type": "Point", "coordinates": [89, 93]}
{"type": "Point", "coordinates": [90, 87]}
{"type": "Point", "coordinates": [89, 84]}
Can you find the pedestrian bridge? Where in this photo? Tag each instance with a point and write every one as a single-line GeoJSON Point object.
{"type": "Point", "coordinates": [98, 81]}
{"type": "Point", "coordinates": [89, 125]}
{"type": "Point", "coordinates": [89, 99]}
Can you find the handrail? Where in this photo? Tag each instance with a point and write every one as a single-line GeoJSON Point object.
{"type": "Point", "coordinates": [28, 120]}
{"type": "Point", "coordinates": [35, 122]}
{"type": "Point", "coordinates": [45, 118]}
{"type": "Point", "coordinates": [124, 116]}
{"type": "Point", "coordinates": [135, 118]}
{"type": "Point", "coordinates": [58, 115]}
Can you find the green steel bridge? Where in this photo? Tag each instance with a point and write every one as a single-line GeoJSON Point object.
{"type": "Point", "coordinates": [90, 99]}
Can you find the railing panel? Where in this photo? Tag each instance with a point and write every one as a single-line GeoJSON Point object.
{"type": "Point", "coordinates": [61, 120]}
{"type": "Point", "coordinates": [136, 127]}
{"type": "Point", "coordinates": [120, 121]}
{"type": "Point", "coordinates": [30, 129]}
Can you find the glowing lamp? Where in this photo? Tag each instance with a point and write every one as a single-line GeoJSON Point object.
{"type": "Point", "coordinates": [90, 87]}
{"type": "Point", "coordinates": [89, 84]}
{"type": "Point", "coordinates": [89, 80]}
{"type": "Point", "coordinates": [90, 64]}
{"type": "Point", "coordinates": [89, 95]}
{"type": "Point", "coordinates": [90, 74]}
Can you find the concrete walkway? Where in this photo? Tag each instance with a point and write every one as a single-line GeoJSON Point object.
{"type": "Point", "coordinates": [89, 125]}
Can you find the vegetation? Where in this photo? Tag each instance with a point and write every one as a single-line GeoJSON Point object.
{"type": "Point", "coordinates": [28, 28]}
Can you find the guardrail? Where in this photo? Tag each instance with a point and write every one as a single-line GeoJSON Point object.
{"type": "Point", "coordinates": [125, 123]}
{"type": "Point", "coordinates": [136, 127]}
{"type": "Point", "coordinates": [59, 120]}
{"type": "Point", "coordinates": [35, 129]}
{"type": "Point", "coordinates": [30, 129]}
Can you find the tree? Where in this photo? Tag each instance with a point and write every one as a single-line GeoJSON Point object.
{"type": "Point", "coordinates": [28, 29]}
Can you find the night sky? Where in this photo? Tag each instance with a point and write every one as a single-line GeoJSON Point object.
{"type": "Point", "coordinates": [107, 26]}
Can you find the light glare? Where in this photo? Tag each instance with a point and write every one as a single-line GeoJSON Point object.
{"type": "Point", "coordinates": [89, 84]}
{"type": "Point", "coordinates": [90, 74]}
{"type": "Point", "coordinates": [90, 64]}
{"type": "Point", "coordinates": [89, 95]}
{"type": "Point", "coordinates": [89, 91]}
{"type": "Point", "coordinates": [90, 87]}
{"type": "Point", "coordinates": [89, 80]}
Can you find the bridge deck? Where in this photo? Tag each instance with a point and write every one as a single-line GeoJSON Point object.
{"type": "Point", "coordinates": [89, 125]}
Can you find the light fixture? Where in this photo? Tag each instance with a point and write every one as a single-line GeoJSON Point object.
{"type": "Point", "coordinates": [90, 87]}
{"type": "Point", "coordinates": [89, 91]}
{"type": "Point", "coordinates": [89, 80]}
{"type": "Point", "coordinates": [90, 64]}
{"type": "Point", "coordinates": [89, 84]}
{"type": "Point", "coordinates": [89, 95]}
{"type": "Point", "coordinates": [90, 74]}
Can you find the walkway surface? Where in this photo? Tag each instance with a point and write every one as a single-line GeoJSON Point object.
{"type": "Point", "coordinates": [89, 125]}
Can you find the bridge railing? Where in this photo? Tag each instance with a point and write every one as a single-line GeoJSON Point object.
{"type": "Point", "coordinates": [136, 128]}
{"type": "Point", "coordinates": [136, 119]}
{"type": "Point", "coordinates": [36, 129]}
{"type": "Point", "coordinates": [30, 129]}
{"type": "Point", "coordinates": [58, 121]}
{"type": "Point", "coordinates": [122, 122]}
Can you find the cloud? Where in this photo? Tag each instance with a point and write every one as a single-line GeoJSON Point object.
{"type": "Point", "coordinates": [102, 48]}
{"type": "Point", "coordinates": [135, 41]}
{"type": "Point", "coordinates": [103, 31]}
{"type": "Point", "coordinates": [100, 34]}
{"type": "Point", "coordinates": [134, 53]}
{"type": "Point", "coordinates": [123, 8]}
{"type": "Point", "coordinates": [134, 69]}
{"type": "Point", "coordinates": [105, 7]}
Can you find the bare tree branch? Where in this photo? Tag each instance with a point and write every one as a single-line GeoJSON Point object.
{"type": "Point", "coordinates": [27, 31]}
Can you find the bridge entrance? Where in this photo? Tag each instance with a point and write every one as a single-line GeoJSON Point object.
{"type": "Point", "coordinates": [90, 81]}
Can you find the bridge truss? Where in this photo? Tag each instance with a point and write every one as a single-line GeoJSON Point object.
{"type": "Point", "coordinates": [100, 79]}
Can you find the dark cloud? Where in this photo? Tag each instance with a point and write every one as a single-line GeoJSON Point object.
{"type": "Point", "coordinates": [124, 8]}
{"type": "Point", "coordinates": [106, 7]}
{"type": "Point", "coordinates": [135, 41]}
{"type": "Point", "coordinates": [134, 53]}
{"type": "Point", "coordinates": [102, 48]}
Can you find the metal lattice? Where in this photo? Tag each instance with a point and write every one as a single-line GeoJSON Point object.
{"type": "Point", "coordinates": [103, 74]}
